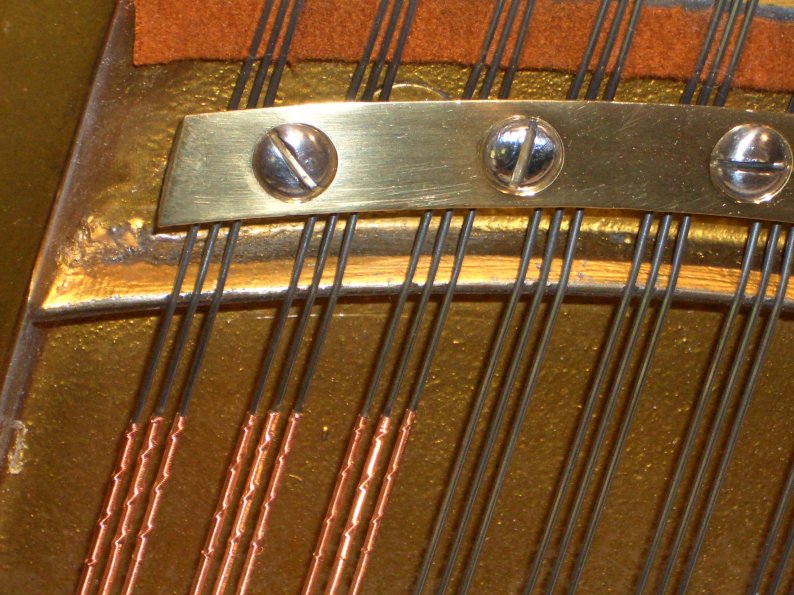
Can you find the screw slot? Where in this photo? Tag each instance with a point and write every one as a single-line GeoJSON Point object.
{"type": "Point", "coordinates": [523, 155]}
{"type": "Point", "coordinates": [751, 163]}
{"type": "Point", "coordinates": [295, 162]}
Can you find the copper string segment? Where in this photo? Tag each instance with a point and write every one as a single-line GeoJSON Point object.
{"type": "Point", "coordinates": [157, 419]}
{"type": "Point", "coordinates": [224, 503]}
{"type": "Point", "coordinates": [163, 474]}
{"type": "Point", "coordinates": [383, 500]}
{"type": "Point", "coordinates": [125, 460]}
{"type": "Point", "coordinates": [244, 509]}
{"type": "Point", "coordinates": [362, 421]}
{"type": "Point", "coordinates": [156, 492]}
{"type": "Point", "coordinates": [370, 467]}
{"type": "Point", "coordinates": [126, 453]}
{"type": "Point", "coordinates": [246, 501]}
{"type": "Point", "coordinates": [277, 476]}
{"type": "Point", "coordinates": [335, 503]}
{"type": "Point", "coordinates": [357, 507]}
{"type": "Point", "coordinates": [151, 442]}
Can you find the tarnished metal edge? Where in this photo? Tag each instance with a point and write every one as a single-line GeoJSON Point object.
{"type": "Point", "coordinates": [28, 338]}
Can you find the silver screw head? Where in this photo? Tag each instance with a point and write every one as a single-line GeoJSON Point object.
{"type": "Point", "coordinates": [522, 155]}
{"type": "Point", "coordinates": [295, 162]}
{"type": "Point", "coordinates": [751, 163]}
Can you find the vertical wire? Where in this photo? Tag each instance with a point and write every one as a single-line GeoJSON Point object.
{"type": "Point", "coordinates": [573, 93]}
{"type": "Point", "coordinates": [784, 501]}
{"type": "Point", "coordinates": [361, 423]}
{"type": "Point", "coordinates": [587, 55]}
{"type": "Point", "coordinates": [184, 329]}
{"type": "Point", "coordinates": [408, 418]}
{"type": "Point", "coordinates": [525, 400]}
{"type": "Point", "coordinates": [514, 368]}
{"type": "Point", "coordinates": [623, 435]}
{"type": "Point", "coordinates": [153, 436]}
{"type": "Point", "coordinates": [253, 49]}
{"type": "Point", "coordinates": [303, 319]}
{"type": "Point", "coordinates": [267, 434]}
{"type": "Point", "coordinates": [496, 62]}
{"type": "Point", "coordinates": [746, 398]}
{"type": "Point", "coordinates": [383, 53]}
{"type": "Point", "coordinates": [283, 314]}
{"type": "Point", "coordinates": [633, 402]}
{"type": "Point", "coordinates": [162, 333]}
{"type": "Point", "coordinates": [351, 456]}
{"type": "Point", "coordinates": [699, 477]}
{"type": "Point", "coordinates": [618, 320]}
{"type": "Point", "coordinates": [267, 58]}
{"type": "Point", "coordinates": [234, 103]}
{"type": "Point", "coordinates": [498, 415]}
{"type": "Point", "coordinates": [367, 477]}
{"type": "Point", "coordinates": [366, 55]}
{"type": "Point", "coordinates": [628, 37]}
{"type": "Point", "coordinates": [606, 51]}
{"type": "Point", "coordinates": [158, 487]}
{"type": "Point", "coordinates": [276, 476]}
{"type": "Point", "coordinates": [518, 287]}
{"type": "Point", "coordinates": [246, 428]}
{"type": "Point", "coordinates": [705, 393]}
{"type": "Point", "coordinates": [476, 70]}
{"type": "Point", "coordinates": [164, 471]}
{"type": "Point", "coordinates": [611, 399]}
{"type": "Point", "coordinates": [628, 416]}
{"type": "Point", "coordinates": [391, 72]}
{"type": "Point", "coordinates": [278, 70]}
{"type": "Point", "coordinates": [485, 385]}
{"type": "Point", "coordinates": [722, 48]}
{"type": "Point", "coordinates": [413, 333]}
{"type": "Point", "coordinates": [512, 68]}
{"type": "Point", "coordinates": [705, 50]}
{"type": "Point", "coordinates": [124, 461]}
{"type": "Point", "coordinates": [389, 478]}
{"type": "Point", "coordinates": [240, 454]}
{"type": "Point", "coordinates": [209, 319]}
{"type": "Point", "coordinates": [785, 555]}
{"type": "Point", "coordinates": [729, 322]}
{"type": "Point", "coordinates": [727, 81]}
{"type": "Point", "coordinates": [388, 339]}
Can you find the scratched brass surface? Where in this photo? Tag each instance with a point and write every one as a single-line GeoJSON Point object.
{"type": "Point", "coordinates": [84, 381]}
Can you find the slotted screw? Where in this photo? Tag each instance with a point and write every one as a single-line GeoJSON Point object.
{"type": "Point", "coordinates": [523, 155]}
{"type": "Point", "coordinates": [295, 162]}
{"type": "Point", "coordinates": [751, 163]}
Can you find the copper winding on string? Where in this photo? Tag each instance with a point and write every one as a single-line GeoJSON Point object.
{"type": "Point", "coordinates": [360, 499]}
{"type": "Point", "coordinates": [246, 501]}
{"type": "Point", "coordinates": [111, 503]}
{"type": "Point", "coordinates": [383, 500]}
{"type": "Point", "coordinates": [224, 502]}
{"type": "Point", "coordinates": [150, 443]}
{"type": "Point", "coordinates": [155, 499]}
{"type": "Point", "coordinates": [335, 503]}
{"type": "Point", "coordinates": [276, 477]}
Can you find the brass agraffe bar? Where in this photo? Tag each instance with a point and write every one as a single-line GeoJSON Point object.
{"type": "Point", "coordinates": [421, 155]}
